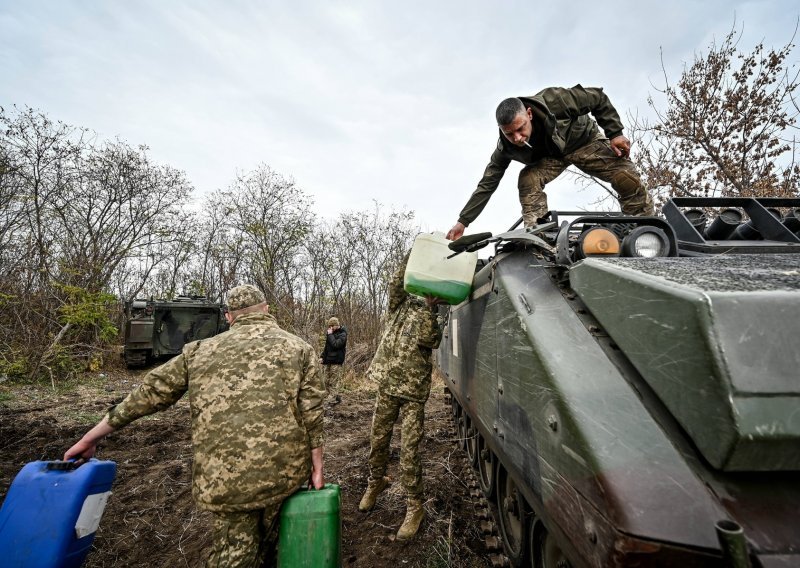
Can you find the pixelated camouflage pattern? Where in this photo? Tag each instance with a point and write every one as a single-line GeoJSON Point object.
{"type": "Point", "coordinates": [397, 292]}
{"type": "Point", "coordinates": [333, 376]}
{"type": "Point", "coordinates": [402, 363]}
{"type": "Point", "coordinates": [243, 538]}
{"type": "Point", "coordinates": [256, 397]}
{"type": "Point", "coordinates": [244, 296]}
{"type": "Point", "coordinates": [412, 428]}
{"type": "Point", "coordinates": [596, 159]}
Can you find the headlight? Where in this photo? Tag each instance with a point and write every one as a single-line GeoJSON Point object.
{"type": "Point", "coordinates": [597, 241]}
{"type": "Point", "coordinates": [645, 241]}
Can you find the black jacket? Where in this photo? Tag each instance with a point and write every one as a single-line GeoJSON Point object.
{"type": "Point", "coordinates": [335, 347]}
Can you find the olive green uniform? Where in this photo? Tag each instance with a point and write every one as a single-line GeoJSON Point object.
{"type": "Point", "coordinates": [255, 394]}
{"type": "Point", "coordinates": [402, 367]}
{"type": "Point", "coordinates": [563, 134]}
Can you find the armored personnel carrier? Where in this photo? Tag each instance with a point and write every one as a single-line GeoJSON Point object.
{"type": "Point", "coordinates": [160, 328]}
{"type": "Point", "coordinates": [628, 388]}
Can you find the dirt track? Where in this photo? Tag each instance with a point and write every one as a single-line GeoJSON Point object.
{"type": "Point", "coordinates": [151, 519]}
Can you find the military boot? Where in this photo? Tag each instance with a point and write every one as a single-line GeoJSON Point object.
{"type": "Point", "coordinates": [374, 488]}
{"type": "Point", "coordinates": [414, 514]}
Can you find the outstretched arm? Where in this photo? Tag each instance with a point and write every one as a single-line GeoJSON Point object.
{"type": "Point", "coordinates": [492, 175]}
{"type": "Point", "coordinates": [87, 446]}
{"type": "Point", "coordinates": [162, 387]}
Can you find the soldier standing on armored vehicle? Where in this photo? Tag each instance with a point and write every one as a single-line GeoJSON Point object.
{"type": "Point", "coordinates": [402, 367]}
{"type": "Point", "coordinates": [256, 403]}
{"type": "Point", "coordinates": [549, 132]}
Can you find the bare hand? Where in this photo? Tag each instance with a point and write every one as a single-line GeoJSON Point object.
{"type": "Point", "coordinates": [87, 446]}
{"type": "Point", "coordinates": [330, 330]}
{"type": "Point", "coordinates": [433, 301]}
{"type": "Point", "coordinates": [621, 146]}
{"type": "Point", "coordinates": [317, 481]}
{"type": "Point", "coordinates": [82, 449]}
{"type": "Point", "coordinates": [455, 232]}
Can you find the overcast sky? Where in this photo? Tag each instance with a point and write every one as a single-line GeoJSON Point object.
{"type": "Point", "coordinates": [356, 101]}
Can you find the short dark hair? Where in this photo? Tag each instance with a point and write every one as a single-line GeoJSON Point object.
{"type": "Point", "coordinates": [508, 110]}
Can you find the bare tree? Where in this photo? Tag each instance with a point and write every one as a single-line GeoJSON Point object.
{"type": "Point", "coordinates": [77, 213]}
{"type": "Point", "coordinates": [378, 242]}
{"type": "Point", "coordinates": [120, 205]}
{"type": "Point", "coordinates": [271, 217]}
{"type": "Point", "coordinates": [729, 126]}
{"type": "Point", "coordinates": [80, 219]}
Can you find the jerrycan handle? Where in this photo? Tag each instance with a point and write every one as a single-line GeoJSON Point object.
{"type": "Point", "coordinates": [68, 465]}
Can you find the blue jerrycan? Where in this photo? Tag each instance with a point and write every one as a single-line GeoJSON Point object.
{"type": "Point", "coordinates": [310, 533]}
{"type": "Point", "coordinates": [51, 513]}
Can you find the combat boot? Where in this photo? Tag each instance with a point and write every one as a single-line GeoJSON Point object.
{"type": "Point", "coordinates": [414, 514]}
{"type": "Point", "coordinates": [374, 488]}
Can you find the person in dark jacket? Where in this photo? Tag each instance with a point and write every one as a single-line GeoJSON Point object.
{"type": "Point", "coordinates": [333, 357]}
{"type": "Point", "coordinates": [549, 132]}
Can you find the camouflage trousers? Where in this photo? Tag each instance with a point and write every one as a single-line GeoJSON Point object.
{"type": "Point", "coordinates": [596, 159]}
{"type": "Point", "coordinates": [387, 409]}
{"type": "Point", "coordinates": [244, 539]}
{"type": "Point", "coordinates": [332, 375]}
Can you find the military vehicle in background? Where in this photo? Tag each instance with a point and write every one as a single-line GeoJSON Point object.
{"type": "Point", "coordinates": [160, 328]}
{"type": "Point", "coordinates": [628, 388]}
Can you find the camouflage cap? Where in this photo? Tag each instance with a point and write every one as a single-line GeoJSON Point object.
{"type": "Point", "coordinates": [333, 321]}
{"type": "Point", "coordinates": [244, 296]}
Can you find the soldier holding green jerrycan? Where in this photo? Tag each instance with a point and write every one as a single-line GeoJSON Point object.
{"type": "Point", "coordinates": [402, 365]}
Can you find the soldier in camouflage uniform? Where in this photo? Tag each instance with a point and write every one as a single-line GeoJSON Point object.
{"type": "Point", "coordinates": [549, 132]}
{"type": "Point", "coordinates": [402, 368]}
{"type": "Point", "coordinates": [255, 394]}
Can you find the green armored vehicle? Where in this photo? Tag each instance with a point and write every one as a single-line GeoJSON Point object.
{"type": "Point", "coordinates": [159, 328]}
{"type": "Point", "coordinates": [629, 388]}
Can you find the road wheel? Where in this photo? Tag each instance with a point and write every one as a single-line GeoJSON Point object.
{"type": "Point", "coordinates": [462, 430]}
{"type": "Point", "coordinates": [486, 468]}
{"type": "Point", "coordinates": [513, 515]}
{"type": "Point", "coordinates": [135, 359]}
{"type": "Point", "coordinates": [544, 549]}
{"type": "Point", "coordinates": [472, 443]}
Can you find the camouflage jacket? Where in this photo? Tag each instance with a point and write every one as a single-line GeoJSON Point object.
{"type": "Point", "coordinates": [561, 125]}
{"type": "Point", "coordinates": [402, 364]}
{"type": "Point", "coordinates": [256, 396]}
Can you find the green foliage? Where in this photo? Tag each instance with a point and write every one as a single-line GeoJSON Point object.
{"type": "Point", "coordinates": [196, 288]}
{"type": "Point", "coordinates": [89, 310]}
{"type": "Point", "coordinates": [14, 366]}
{"type": "Point", "coordinates": [61, 363]}
{"type": "Point", "coordinates": [7, 300]}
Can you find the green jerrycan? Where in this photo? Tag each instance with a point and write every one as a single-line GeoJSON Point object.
{"type": "Point", "coordinates": [311, 529]}
{"type": "Point", "coordinates": [433, 269]}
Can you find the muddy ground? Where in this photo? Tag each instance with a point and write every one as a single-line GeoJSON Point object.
{"type": "Point", "coordinates": [151, 519]}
